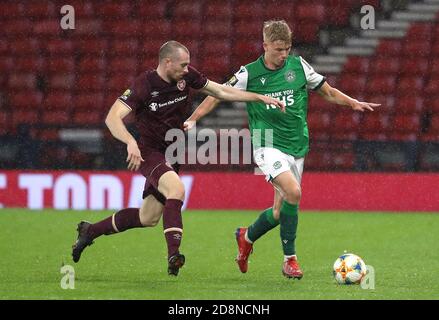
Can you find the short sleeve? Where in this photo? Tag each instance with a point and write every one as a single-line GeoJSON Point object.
{"type": "Point", "coordinates": [239, 79]}
{"type": "Point", "coordinates": [313, 79]}
{"type": "Point", "coordinates": [197, 80]}
{"type": "Point", "coordinates": [137, 93]}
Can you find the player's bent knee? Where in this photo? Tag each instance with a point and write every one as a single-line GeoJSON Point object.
{"type": "Point", "coordinates": [177, 192]}
{"type": "Point", "coordinates": [293, 196]}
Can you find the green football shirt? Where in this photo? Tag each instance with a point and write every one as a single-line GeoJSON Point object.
{"type": "Point", "coordinates": [269, 127]}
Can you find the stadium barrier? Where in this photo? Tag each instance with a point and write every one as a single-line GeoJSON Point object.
{"type": "Point", "coordinates": [81, 190]}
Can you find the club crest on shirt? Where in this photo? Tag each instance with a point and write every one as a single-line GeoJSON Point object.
{"type": "Point", "coordinates": [277, 165]}
{"type": "Point", "coordinates": [181, 85]}
{"type": "Point", "coordinates": [153, 106]}
{"type": "Point", "coordinates": [290, 76]}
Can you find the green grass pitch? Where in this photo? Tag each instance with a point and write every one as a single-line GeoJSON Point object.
{"type": "Point", "coordinates": [403, 249]}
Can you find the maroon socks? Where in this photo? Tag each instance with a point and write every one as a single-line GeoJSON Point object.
{"type": "Point", "coordinates": [120, 221]}
{"type": "Point", "coordinates": [173, 225]}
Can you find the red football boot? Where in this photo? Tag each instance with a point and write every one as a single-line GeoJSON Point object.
{"type": "Point", "coordinates": [244, 249]}
{"type": "Point", "coordinates": [291, 269]}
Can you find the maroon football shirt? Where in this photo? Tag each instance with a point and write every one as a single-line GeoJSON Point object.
{"type": "Point", "coordinates": [159, 106]}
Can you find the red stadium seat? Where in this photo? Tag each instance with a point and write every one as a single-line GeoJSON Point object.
{"type": "Point", "coordinates": [22, 81]}
{"type": "Point", "coordinates": [112, 10]}
{"type": "Point", "coordinates": [216, 30]}
{"type": "Point", "coordinates": [419, 30]}
{"type": "Point", "coordinates": [150, 48]}
{"type": "Point", "coordinates": [61, 81]}
{"type": "Point", "coordinates": [417, 67]}
{"type": "Point", "coordinates": [411, 84]}
{"type": "Point", "coordinates": [89, 101]}
{"type": "Point", "coordinates": [345, 126]}
{"type": "Point", "coordinates": [409, 104]}
{"type": "Point", "coordinates": [318, 121]}
{"type": "Point", "coordinates": [28, 47]}
{"type": "Point", "coordinates": [248, 10]}
{"type": "Point", "coordinates": [385, 65]}
{"type": "Point", "coordinates": [406, 124]}
{"type": "Point", "coordinates": [92, 47]}
{"type": "Point", "coordinates": [433, 105]}
{"type": "Point", "coordinates": [306, 32]}
{"type": "Point", "coordinates": [29, 100]}
{"type": "Point", "coordinates": [24, 117]}
{"type": "Point", "coordinates": [152, 9]}
{"type": "Point", "coordinates": [357, 65]}
{"type": "Point", "coordinates": [93, 118]}
{"type": "Point", "coordinates": [215, 47]}
{"type": "Point", "coordinates": [312, 12]}
{"type": "Point", "coordinates": [89, 27]}
{"type": "Point", "coordinates": [92, 64]}
{"type": "Point", "coordinates": [187, 10]}
{"type": "Point", "coordinates": [56, 117]}
{"type": "Point", "coordinates": [20, 28]}
{"type": "Point", "coordinates": [46, 28]}
{"type": "Point", "coordinates": [31, 65]}
{"type": "Point", "coordinates": [124, 48]}
{"type": "Point", "coordinates": [274, 9]}
{"type": "Point", "coordinates": [186, 29]}
{"type": "Point", "coordinates": [40, 10]}
{"type": "Point", "coordinates": [120, 81]}
{"type": "Point", "coordinates": [244, 51]}
{"type": "Point", "coordinates": [381, 84]}
{"type": "Point", "coordinates": [61, 65]}
{"type": "Point", "coordinates": [122, 65]}
{"type": "Point", "coordinates": [60, 47]}
{"type": "Point", "coordinates": [244, 29]}
{"type": "Point", "coordinates": [417, 49]}
{"type": "Point", "coordinates": [432, 87]}
{"type": "Point", "coordinates": [352, 83]}
{"type": "Point", "coordinates": [389, 48]}
{"type": "Point", "coordinates": [374, 123]}
{"type": "Point", "coordinates": [344, 160]}
{"type": "Point", "coordinates": [58, 100]}
{"type": "Point", "coordinates": [216, 67]}
{"type": "Point", "coordinates": [218, 10]}
{"type": "Point", "coordinates": [90, 82]}
{"type": "Point", "coordinates": [156, 30]}
{"type": "Point", "coordinates": [122, 29]}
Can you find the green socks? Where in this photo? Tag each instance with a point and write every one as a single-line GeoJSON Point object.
{"type": "Point", "coordinates": [262, 225]}
{"type": "Point", "coordinates": [288, 227]}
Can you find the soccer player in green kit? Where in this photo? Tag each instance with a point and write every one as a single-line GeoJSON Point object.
{"type": "Point", "coordinates": [288, 78]}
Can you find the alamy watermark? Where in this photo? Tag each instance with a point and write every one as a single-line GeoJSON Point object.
{"type": "Point", "coordinates": [207, 146]}
{"type": "Point", "coordinates": [68, 19]}
{"type": "Point", "coordinates": [368, 19]}
{"type": "Point", "coordinates": [368, 281]}
{"type": "Point", "coordinates": [68, 278]}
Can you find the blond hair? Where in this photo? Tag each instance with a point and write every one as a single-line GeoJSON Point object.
{"type": "Point", "coordinates": [275, 30]}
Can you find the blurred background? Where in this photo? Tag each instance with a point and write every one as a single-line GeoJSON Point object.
{"type": "Point", "coordinates": [56, 85]}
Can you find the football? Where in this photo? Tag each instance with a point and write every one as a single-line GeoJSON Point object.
{"type": "Point", "coordinates": [349, 269]}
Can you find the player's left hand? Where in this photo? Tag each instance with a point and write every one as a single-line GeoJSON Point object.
{"type": "Point", "coordinates": [272, 101]}
{"type": "Point", "coordinates": [189, 124]}
{"type": "Point", "coordinates": [362, 106]}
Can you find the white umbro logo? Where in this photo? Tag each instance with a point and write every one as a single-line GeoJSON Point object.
{"type": "Point", "coordinates": [263, 80]}
{"type": "Point", "coordinates": [285, 241]}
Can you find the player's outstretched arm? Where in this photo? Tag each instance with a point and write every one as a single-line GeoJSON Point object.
{"type": "Point", "coordinates": [228, 93]}
{"type": "Point", "coordinates": [205, 107]}
{"type": "Point", "coordinates": [117, 128]}
{"type": "Point", "coordinates": [334, 95]}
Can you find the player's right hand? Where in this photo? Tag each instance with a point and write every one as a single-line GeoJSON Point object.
{"type": "Point", "coordinates": [188, 124]}
{"type": "Point", "coordinates": [134, 158]}
{"type": "Point", "coordinates": [272, 101]}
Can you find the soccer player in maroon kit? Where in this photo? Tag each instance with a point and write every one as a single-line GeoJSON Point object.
{"type": "Point", "coordinates": [160, 101]}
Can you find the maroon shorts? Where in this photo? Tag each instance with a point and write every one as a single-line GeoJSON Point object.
{"type": "Point", "coordinates": [154, 166]}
